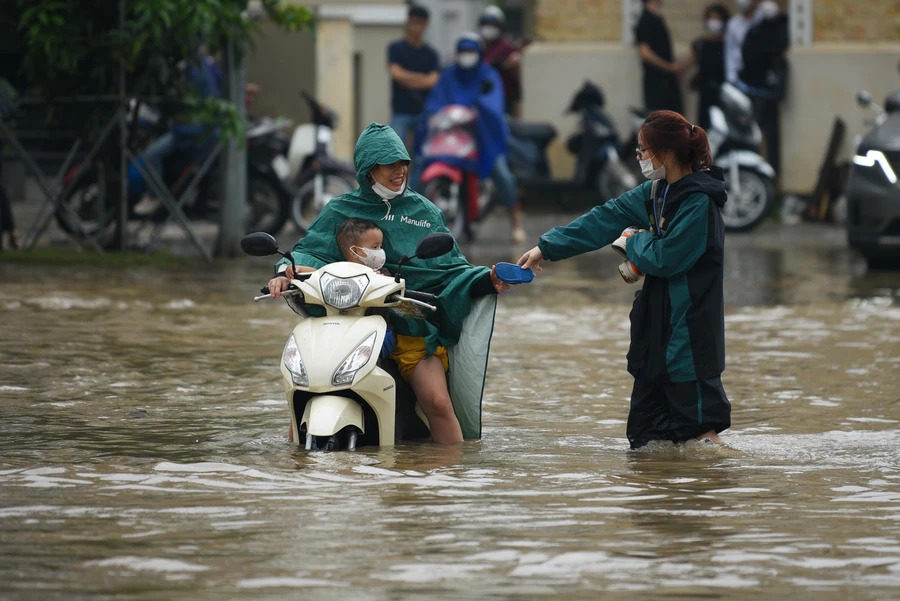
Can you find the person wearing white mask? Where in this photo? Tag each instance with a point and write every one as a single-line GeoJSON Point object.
{"type": "Point", "coordinates": [735, 32]}
{"type": "Point", "coordinates": [708, 54]}
{"type": "Point", "coordinates": [671, 234]}
{"type": "Point", "coordinates": [503, 55]}
{"type": "Point", "coordinates": [473, 83]}
{"type": "Point", "coordinates": [404, 218]}
{"type": "Point", "coordinates": [764, 74]}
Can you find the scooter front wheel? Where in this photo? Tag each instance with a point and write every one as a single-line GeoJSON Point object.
{"type": "Point", "coordinates": [446, 195]}
{"type": "Point", "coordinates": [749, 204]}
{"type": "Point", "coordinates": [346, 439]}
{"type": "Point", "coordinates": [305, 207]}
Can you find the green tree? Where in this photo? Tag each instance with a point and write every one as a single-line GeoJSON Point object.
{"type": "Point", "coordinates": [76, 47]}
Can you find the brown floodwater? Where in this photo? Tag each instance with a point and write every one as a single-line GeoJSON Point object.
{"type": "Point", "coordinates": [143, 453]}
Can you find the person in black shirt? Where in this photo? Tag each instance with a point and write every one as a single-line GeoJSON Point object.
{"type": "Point", "coordinates": [661, 71]}
{"type": "Point", "coordinates": [764, 75]}
{"type": "Point", "coordinates": [414, 71]}
{"type": "Point", "coordinates": [708, 53]}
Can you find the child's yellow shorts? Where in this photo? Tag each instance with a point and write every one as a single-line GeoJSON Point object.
{"type": "Point", "coordinates": [410, 350]}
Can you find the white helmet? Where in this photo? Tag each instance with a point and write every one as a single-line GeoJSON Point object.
{"type": "Point", "coordinates": [492, 15]}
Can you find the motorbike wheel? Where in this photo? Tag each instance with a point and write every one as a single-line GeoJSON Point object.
{"type": "Point", "coordinates": [266, 210]}
{"type": "Point", "coordinates": [615, 179]}
{"type": "Point", "coordinates": [92, 203]}
{"type": "Point", "coordinates": [305, 209]}
{"type": "Point", "coordinates": [746, 210]}
{"type": "Point", "coordinates": [346, 439]}
{"type": "Point", "coordinates": [440, 192]}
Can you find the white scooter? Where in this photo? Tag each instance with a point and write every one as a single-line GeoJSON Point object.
{"type": "Point", "coordinates": [316, 174]}
{"type": "Point", "coordinates": [339, 395]}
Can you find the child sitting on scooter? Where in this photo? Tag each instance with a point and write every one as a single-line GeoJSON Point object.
{"type": "Point", "coordinates": [360, 241]}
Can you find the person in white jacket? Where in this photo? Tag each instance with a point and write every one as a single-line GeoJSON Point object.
{"type": "Point", "coordinates": [737, 29]}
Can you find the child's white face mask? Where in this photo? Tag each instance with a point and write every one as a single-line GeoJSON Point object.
{"type": "Point", "coordinates": [373, 258]}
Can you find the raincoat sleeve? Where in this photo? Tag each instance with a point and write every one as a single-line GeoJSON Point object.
{"type": "Point", "coordinates": [598, 227]}
{"type": "Point", "coordinates": [681, 247]}
{"type": "Point", "coordinates": [451, 278]}
{"type": "Point", "coordinates": [319, 247]}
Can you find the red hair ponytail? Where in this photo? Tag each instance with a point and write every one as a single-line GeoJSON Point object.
{"type": "Point", "coordinates": [669, 131]}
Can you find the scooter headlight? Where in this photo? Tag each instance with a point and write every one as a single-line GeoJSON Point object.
{"type": "Point", "coordinates": [343, 293]}
{"type": "Point", "coordinates": [355, 361]}
{"type": "Point", "coordinates": [294, 363]}
{"type": "Point", "coordinates": [876, 157]}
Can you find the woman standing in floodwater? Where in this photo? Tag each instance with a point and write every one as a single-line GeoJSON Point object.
{"type": "Point", "coordinates": [674, 237]}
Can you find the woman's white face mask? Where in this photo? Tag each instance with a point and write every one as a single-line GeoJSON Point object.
{"type": "Point", "coordinates": [489, 32]}
{"type": "Point", "coordinates": [467, 60]}
{"type": "Point", "coordinates": [714, 26]}
{"type": "Point", "coordinates": [651, 173]}
{"type": "Point", "coordinates": [769, 9]}
{"type": "Point", "coordinates": [386, 193]}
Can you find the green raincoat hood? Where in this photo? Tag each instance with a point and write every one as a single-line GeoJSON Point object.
{"type": "Point", "coordinates": [377, 145]}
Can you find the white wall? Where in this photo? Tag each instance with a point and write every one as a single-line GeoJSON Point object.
{"type": "Point", "coordinates": [823, 83]}
{"type": "Point", "coordinates": [371, 42]}
{"type": "Point", "coordinates": [553, 72]}
{"type": "Point", "coordinates": [283, 64]}
{"type": "Point", "coordinates": [824, 80]}
{"type": "Point", "coordinates": [449, 19]}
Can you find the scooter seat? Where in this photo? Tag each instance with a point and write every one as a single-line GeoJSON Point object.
{"type": "Point", "coordinates": [642, 113]}
{"type": "Point", "coordinates": [540, 133]}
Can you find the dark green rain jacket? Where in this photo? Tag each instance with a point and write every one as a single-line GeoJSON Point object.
{"type": "Point", "coordinates": [678, 318]}
{"type": "Point", "coordinates": [404, 220]}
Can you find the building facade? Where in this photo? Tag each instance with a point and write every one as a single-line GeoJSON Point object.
{"type": "Point", "coordinates": [838, 48]}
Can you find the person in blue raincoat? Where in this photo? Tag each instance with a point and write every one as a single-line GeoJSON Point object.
{"type": "Point", "coordinates": [471, 82]}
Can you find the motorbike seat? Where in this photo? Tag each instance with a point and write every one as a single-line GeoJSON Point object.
{"type": "Point", "coordinates": [642, 113]}
{"type": "Point", "coordinates": [540, 133]}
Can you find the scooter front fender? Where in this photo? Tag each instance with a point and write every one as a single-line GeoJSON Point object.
{"type": "Point", "coordinates": [327, 415]}
{"type": "Point", "coordinates": [439, 169]}
{"type": "Point", "coordinates": [746, 159]}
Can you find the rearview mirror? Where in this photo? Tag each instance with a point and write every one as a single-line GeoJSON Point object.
{"type": "Point", "coordinates": [259, 244]}
{"type": "Point", "coordinates": [864, 98]}
{"type": "Point", "coordinates": [434, 245]}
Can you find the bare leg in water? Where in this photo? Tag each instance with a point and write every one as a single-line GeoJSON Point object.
{"type": "Point", "coordinates": [711, 436]}
{"type": "Point", "coordinates": [429, 382]}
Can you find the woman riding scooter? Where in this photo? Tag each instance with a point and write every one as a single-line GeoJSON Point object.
{"type": "Point", "coordinates": [382, 165]}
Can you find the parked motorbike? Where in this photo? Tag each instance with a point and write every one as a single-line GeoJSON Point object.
{"type": "Point", "coordinates": [598, 167]}
{"type": "Point", "coordinates": [449, 180]}
{"type": "Point", "coordinates": [734, 139]}
{"type": "Point", "coordinates": [339, 394]}
{"type": "Point", "coordinates": [314, 172]}
{"type": "Point", "coordinates": [873, 191]}
{"type": "Point", "coordinates": [95, 197]}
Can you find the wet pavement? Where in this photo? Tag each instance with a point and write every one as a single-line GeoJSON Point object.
{"type": "Point", "coordinates": [143, 453]}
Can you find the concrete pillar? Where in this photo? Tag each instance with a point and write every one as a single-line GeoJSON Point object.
{"type": "Point", "coordinates": [334, 81]}
{"type": "Point", "coordinates": [234, 190]}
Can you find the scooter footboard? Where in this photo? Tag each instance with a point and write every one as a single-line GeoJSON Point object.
{"type": "Point", "coordinates": [327, 415]}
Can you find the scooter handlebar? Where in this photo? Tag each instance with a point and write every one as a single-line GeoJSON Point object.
{"type": "Point", "coordinates": [424, 297]}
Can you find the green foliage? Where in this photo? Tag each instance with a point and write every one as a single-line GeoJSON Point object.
{"type": "Point", "coordinates": [76, 47]}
